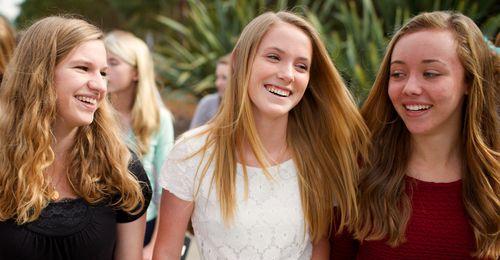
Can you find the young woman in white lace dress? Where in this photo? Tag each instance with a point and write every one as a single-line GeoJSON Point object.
{"type": "Point", "coordinates": [261, 180]}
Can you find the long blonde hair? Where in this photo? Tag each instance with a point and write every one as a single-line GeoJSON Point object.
{"type": "Point", "coordinates": [7, 44]}
{"type": "Point", "coordinates": [145, 109]}
{"type": "Point", "coordinates": [325, 132]}
{"type": "Point", "coordinates": [385, 208]}
{"type": "Point", "coordinates": [97, 164]}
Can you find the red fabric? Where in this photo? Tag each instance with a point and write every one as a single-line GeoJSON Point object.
{"type": "Point", "coordinates": [438, 227]}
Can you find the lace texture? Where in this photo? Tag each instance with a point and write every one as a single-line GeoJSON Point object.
{"type": "Point", "coordinates": [62, 218]}
{"type": "Point", "coordinates": [269, 224]}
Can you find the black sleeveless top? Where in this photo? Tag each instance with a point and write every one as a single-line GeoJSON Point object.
{"type": "Point", "coordinates": [70, 229]}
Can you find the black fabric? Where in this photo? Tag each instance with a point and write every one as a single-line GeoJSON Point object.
{"type": "Point", "coordinates": [150, 228]}
{"type": "Point", "coordinates": [70, 229]}
{"type": "Point", "coordinates": [135, 166]}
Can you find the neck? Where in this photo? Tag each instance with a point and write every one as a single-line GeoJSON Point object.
{"type": "Point", "coordinates": [273, 135]}
{"type": "Point", "coordinates": [436, 158]}
{"type": "Point", "coordinates": [123, 100]}
{"type": "Point", "coordinates": [64, 141]}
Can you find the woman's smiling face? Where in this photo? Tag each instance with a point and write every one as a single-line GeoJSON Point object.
{"type": "Point", "coordinates": [427, 82]}
{"type": "Point", "coordinates": [280, 72]}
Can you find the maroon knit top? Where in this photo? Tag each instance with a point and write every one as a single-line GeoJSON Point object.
{"type": "Point", "coordinates": [438, 228]}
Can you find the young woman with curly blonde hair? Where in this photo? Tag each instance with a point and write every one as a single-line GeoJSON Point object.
{"type": "Point", "coordinates": [69, 188]}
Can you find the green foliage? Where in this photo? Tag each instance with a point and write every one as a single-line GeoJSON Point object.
{"type": "Point", "coordinates": [190, 35]}
{"type": "Point", "coordinates": [355, 33]}
{"type": "Point", "coordinates": [93, 10]}
{"type": "Point", "coordinates": [137, 16]}
{"type": "Point", "coordinates": [191, 45]}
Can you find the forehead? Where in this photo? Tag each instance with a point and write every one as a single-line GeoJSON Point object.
{"type": "Point", "coordinates": [222, 67]}
{"type": "Point", "coordinates": [92, 51]}
{"type": "Point", "coordinates": [289, 38]}
{"type": "Point", "coordinates": [426, 44]}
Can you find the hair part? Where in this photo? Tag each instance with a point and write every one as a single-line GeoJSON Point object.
{"type": "Point", "coordinates": [385, 207]}
{"type": "Point", "coordinates": [96, 166]}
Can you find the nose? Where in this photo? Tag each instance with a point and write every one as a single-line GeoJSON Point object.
{"type": "Point", "coordinates": [412, 86]}
{"type": "Point", "coordinates": [286, 73]}
{"type": "Point", "coordinates": [219, 82]}
{"type": "Point", "coordinates": [98, 84]}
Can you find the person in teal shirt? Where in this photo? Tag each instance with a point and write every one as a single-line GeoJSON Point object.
{"type": "Point", "coordinates": [145, 120]}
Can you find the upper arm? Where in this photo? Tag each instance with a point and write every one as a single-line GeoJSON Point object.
{"type": "Point", "coordinates": [130, 239]}
{"type": "Point", "coordinates": [175, 214]}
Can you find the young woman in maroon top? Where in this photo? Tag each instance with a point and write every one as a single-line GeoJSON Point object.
{"type": "Point", "coordinates": [431, 188]}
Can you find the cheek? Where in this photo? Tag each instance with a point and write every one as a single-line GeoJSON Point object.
{"type": "Point", "coordinates": [252, 92]}
{"type": "Point", "coordinates": [393, 91]}
{"type": "Point", "coordinates": [305, 79]}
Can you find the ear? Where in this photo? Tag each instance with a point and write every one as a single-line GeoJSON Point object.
{"type": "Point", "coordinates": [467, 89]}
{"type": "Point", "coordinates": [135, 76]}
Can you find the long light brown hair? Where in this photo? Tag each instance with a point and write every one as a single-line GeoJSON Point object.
{"type": "Point", "coordinates": [325, 132]}
{"type": "Point", "coordinates": [97, 164]}
{"type": "Point", "coordinates": [145, 109]}
{"type": "Point", "coordinates": [385, 207]}
{"type": "Point", "coordinates": [7, 44]}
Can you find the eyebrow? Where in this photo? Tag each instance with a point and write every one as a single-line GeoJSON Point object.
{"type": "Point", "coordinates": [427, 61]}
{"type": "Point", "coordinates": [432, 61]}
{"type": "Point", "coordinates": [282, 51]}
{"type": "Point", "coordinates": [86, 62]}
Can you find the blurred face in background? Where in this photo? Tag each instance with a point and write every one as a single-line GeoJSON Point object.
{"type": "Point", "coordinates": [121, 75]}
{"type": "Point", "coordinates": [221, 78]}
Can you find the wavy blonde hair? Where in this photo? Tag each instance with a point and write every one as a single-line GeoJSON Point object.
{"type": "Point", "coordinates": [326, 133]}
{"type": "Point", "coordinates": [7, 44]}
{"type": "Point", "coordinates": [97, 164]}
{"type": "Point", "coordinates": [385, 208]}
{"type": "Point", "coordinates": [145, 110]}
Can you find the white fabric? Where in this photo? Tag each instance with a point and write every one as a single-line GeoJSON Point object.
{"type": "Point", "coordinates": [268, 225]}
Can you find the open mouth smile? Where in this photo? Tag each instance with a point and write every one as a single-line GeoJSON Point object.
{"type": "Point", "coordinates": [277, 91]}
{"type": "Point", "coordinates": [417, 107]}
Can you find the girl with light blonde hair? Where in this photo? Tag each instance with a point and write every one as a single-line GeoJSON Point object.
{"type": "Point", "coordinates": [261, 180]}
{"type": "Point", "coordinates": [69, 188]}
{"type": "Point", "coordinates": [145, 121]}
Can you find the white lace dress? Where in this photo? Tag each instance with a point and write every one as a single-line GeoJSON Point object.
{"type": "Point", "coordinates": [268, 225]}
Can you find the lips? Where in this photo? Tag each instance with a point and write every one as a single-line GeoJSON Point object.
{"type": "Point", "coordinates": [278, 91]}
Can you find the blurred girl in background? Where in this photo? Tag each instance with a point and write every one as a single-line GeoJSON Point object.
{"type": "Point", "coordinates": [145, 121]}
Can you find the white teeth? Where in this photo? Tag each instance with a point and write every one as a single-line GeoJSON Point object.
{"type": "Point", "coordinates": [277, 91]}
{"type": "Point", "coordinates": [417, 107]}
{"type": "Point", "coordinates": [90, 100]}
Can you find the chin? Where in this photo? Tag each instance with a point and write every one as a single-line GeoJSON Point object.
{"type": "Point", "coordinates": [418, 130]}
{"type": "Point", "coordinates": [86, 122]}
